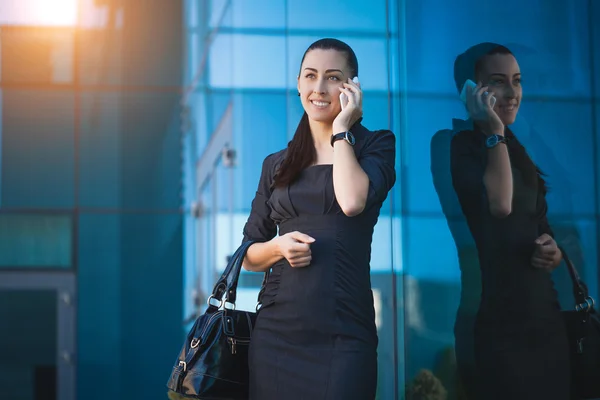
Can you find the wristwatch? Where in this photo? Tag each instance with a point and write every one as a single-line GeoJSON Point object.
{"type": "Point", "coordinates": [347, 136]}
{"type": "Point", "coordinates": [494, 140]}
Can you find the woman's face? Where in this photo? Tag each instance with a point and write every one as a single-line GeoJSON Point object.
{"type": "Point", "coordinates": [321, 75]}
{"type": "Point", "coordinates": [502, 74]}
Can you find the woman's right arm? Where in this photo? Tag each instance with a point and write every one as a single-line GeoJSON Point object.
{"type": "Point", "coordinates": [261, 256]}
{"type": "Point", "coordinates": [293, 246]}
{"type": "Point", "coordinates": [260, 228]}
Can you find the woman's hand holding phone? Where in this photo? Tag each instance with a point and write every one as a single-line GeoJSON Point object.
{"type": "Point", "coordinates": [351, 103]}
{"type": "Point", "coordinates": [480, 105]}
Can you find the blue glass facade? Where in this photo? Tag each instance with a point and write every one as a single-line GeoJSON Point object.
{"type": "Point", "coordinates": [131, 147]}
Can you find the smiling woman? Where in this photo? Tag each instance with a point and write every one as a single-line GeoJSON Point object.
{"type": "Point", "coordinates": [38, 12]}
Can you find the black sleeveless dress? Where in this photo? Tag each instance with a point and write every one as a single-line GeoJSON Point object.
{"type": "Point", "coordinates": [521, 348]}
{"type": "Point", "coordinates": [315, 336]}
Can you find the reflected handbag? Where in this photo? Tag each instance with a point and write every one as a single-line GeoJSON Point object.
{"type": "Point", "coordinates": [213, 363]}
{"type": "Point", "coordinates": [583, 330]}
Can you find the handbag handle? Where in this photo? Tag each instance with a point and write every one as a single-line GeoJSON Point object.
{"type": "Point", "coordinates": [583, 301]}
{"type": "Point", "coordinates": [228, 281]}
{"type": "Point", "coordinates": [232, 283]}
{"type": "Point", "coordinates": [234, 264]}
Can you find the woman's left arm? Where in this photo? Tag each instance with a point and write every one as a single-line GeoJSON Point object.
{"type": "Point", "coordinates": [357, 182]}
{"type": "Point", "coordinates": [350, 182]}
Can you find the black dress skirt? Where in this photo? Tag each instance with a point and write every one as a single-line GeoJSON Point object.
{"type": "Point", "coordinates": [315, 336]}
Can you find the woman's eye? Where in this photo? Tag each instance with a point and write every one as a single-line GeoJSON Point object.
{"type": "Point", "coordinates": [310, 76]}
{"type": "Point", "coordinates": [335, 78]}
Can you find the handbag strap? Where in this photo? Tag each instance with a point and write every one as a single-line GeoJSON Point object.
{"type": "Point", "coordinates": [227, 283]}
{"type": "Point", "coordinates": [583, 301]}
{"type": "Point", "coordinates": [230, 273]}
{"type": "Point", "coordinates": [232, 286]}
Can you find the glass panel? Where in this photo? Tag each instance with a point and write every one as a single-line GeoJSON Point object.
{"type": "Point", "coordinates": [99, 273]}
{"type": "Point", "coordinates": [28, 340]}
{"type": "Point", "coordinates": [94, 14]}
{"type": "Point", "coordinates": [148, 161]}
{"type": "Point", "coordinates": [595, 49]}
{"type": "Point", "coordinates": [219, 12]}
{"type": "Point", "coordinates": [206, 241]}
{"type": "Point", "coordinates": [192, 12]}
{"type": "Point", "coordinates": [544, 52]}
{"type": "Point", "coordinates": [433, 294]}
{"type": "Point", "coordinates": [258, 14]}
{"type": "Point", "coordinates": [100, 144]}
{"type": "Point", "coordinates": [199, 122]}
{"type": "Point", "coordinates": [194, 57]}
{"type": "Point", "coordinates": [260, 129]}
{"type": "Point", "coordinates": [567, 159]}
{"type": "Point", "coordinates": [38, 153]}
{"type": "Point", "coordinates": [35, 241]}
{"type": "Point", "coordinates": [100, 57]}
{"type": "Point", "coordinates": [233, 61]}
{"type": "Point", "coordinates": [578, 236]}
{"type": "Point", "coordinates": [36, 55]}
{"type": "Point", "coordinates": [129, 277]}
{"type": "Point", "coordinates": [338, 15]}
{"type": "Point", "coordinates": [223, 202]}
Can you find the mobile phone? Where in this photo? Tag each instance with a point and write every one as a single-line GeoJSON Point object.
{"type": "Point", "coordinates": [343, 97]}
{"type": "Point", "coordinates": [471, 84]}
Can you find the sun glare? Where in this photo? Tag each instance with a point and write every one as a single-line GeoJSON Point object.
{"type": "Point", "coordinates": [38, 12]}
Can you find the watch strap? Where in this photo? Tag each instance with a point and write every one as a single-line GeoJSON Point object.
{"type": "Point", "coordinates": [347, 136]}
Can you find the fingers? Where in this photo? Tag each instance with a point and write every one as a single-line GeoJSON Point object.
{"type": "Point", "coordinates": [541, 263]}
{"type": "Point", "coordinates": [472, 96]}
{"type": "Point", "coordinates": [300, 255]}
{"type": "Point", "coordinates": [301, 237]}
{"type": "Point", "coordinates": [298, 252]}
{"type": "Point", "coordinates": [354, 94]}
{"type": "Point", "coordinates": [488, 99]}
{"type": "Point", "coordinates": [300, 262]}
{"type": "Point", "coordinates": [546, 248]}
{"type": "Point", "coordinates": [544, 239]}
{"type": "Point", "coordinates": [480, 95]}
{"type": "Point", "coordinates": [354, 88]}
{"type": "Point", "coordinates": [546, 251]}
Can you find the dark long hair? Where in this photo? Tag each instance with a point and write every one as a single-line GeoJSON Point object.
{"type": "Point", "coordinates": [468, 65]}
{"type": "Point", "coordinates": [301, 151]}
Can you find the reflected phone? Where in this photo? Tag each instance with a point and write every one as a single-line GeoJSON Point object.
{"type": "Point", "coordinates": [343, 97]}
{"type": "Point", "coordinates": [471, 84]}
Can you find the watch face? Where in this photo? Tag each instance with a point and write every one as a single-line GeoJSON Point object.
{"type": "Point", "coordinates": [350, 138]}
{"type": "Point", "coordinates": [492, 141]}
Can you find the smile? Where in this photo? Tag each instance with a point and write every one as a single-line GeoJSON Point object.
{"type": "Point", "coordinates": [319, 103]}
{"type": "Point", "coordinates": [509, 108]}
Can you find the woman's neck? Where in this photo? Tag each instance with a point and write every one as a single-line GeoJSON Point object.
{"type": "Point", "coordinates": [321, 133]}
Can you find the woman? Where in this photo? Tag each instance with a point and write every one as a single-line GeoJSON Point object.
{"type": "Point", "coordinates": [521, 348]}
{"type": "Point", "coordinates": [315, 336]}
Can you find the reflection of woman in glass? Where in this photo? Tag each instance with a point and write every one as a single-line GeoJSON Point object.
{"type": "Point", "coordinates": [521, 347]}
{"type": "Point", "coordinates": [315, 337]}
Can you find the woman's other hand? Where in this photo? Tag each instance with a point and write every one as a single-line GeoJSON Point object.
{"type": "Point", "coordinates": [295, 247]}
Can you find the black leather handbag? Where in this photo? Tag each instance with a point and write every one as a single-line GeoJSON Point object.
{"type": "Point", "coordinates": [583, 329]}
{"type": "Point", "coordinates": [213, 363]}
